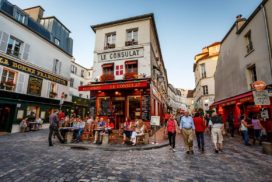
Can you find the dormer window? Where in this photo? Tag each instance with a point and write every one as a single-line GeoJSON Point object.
{"type": "Point", "coordinates": [57, 41]}
{"type": "Point", "coordinates": [20, 17]}
{"type": "Point", "coordinates": [110, 40]}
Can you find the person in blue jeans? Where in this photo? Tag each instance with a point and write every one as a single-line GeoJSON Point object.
{"type": "Point", "coordinates": [244, 130]}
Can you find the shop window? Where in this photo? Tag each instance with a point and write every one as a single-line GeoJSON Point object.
{"type": "Point", "coordinates": [134, 107]}
{"type": "Point", "coordinates": [110, 40]}
{"type": "Point", "coordinates": [119, 70]}
{"type": "Point", "coordinates": [8, 80]}
{"type": "Point", "coordinates": [14, 46]}
{"type": "Point", "coordinates": [104, 106]}
{"type": "Point", "coordinates": [252, 73]}
{"type": "Point", "coordinates": [107, 68]}
{"type": "Point", "coordinates": [32, 111]}
{"type": "Point", "coordinates": [249, 44]}
{"type": "Point", "coordinates": [203, 70]}
{"type": "Point", "coordinates": [205, 90]}
{"type": "Point", "coordinates": [132, 37]}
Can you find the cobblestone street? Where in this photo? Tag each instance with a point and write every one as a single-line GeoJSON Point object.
{"type": "Point", "coordinates": [27, 157]}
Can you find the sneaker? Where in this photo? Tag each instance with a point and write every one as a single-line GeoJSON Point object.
{"type": "Point", "coordinates": [216, 151]}
{"type": "Point", "coordinates": [174, 150]}
{"type": "Point", "coordinates": [202, 150]}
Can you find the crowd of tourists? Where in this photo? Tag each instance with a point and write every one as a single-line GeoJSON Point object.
{"type": "Point", "coordinates": [213, 125]}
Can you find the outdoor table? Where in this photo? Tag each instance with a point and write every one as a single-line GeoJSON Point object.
{"type": "Point", "coordinates": [69, 133]}
{"type": "Point", "coordinates": [33, 123]}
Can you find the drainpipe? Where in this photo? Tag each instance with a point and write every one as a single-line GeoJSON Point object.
{"type": "Point", "coordinates": [268, 39]}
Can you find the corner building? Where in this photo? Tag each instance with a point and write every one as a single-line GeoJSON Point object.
{"type": "Point", "coordinates": [129, 78]}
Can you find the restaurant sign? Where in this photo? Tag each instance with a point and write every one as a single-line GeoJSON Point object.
{"type": "Point", "coordinates": [113, 86]}
{"type": "Point", "coordinates": [122, 54]}
{"type": "Point", "coordinates": [32, 71]}
{"type": "Point", "coordinates": [261, 97]}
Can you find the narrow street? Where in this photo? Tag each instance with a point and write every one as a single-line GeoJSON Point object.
{"type": "Point", "coordinates": [27, 157]}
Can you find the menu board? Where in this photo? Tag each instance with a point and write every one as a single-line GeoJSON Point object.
{"type": "Point", "coordinates": [34, 86]}
{"type": "Point", "coordinates": [146, 107]}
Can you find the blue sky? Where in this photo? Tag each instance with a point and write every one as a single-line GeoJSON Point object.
{"type": "Point", "coordinates": [184, 26]}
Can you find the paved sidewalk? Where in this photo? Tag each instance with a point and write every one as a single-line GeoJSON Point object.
{"type": "Point", "coordinates": [27, 157]}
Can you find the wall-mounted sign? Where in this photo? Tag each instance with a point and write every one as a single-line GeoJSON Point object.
{"type": "Point", "coordinates": [155, 121]}
{"type": "Point", "coordinates": [34, 86]}
{"type": "Point", "coordinates": [261, 97]}
{"type": "Point", "coordinates": [32, 71]}
{"type": "Point", "coordinates": [122, 54]}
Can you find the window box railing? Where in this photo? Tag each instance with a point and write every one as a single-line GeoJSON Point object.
{"type": "Point", "coordinates": [130, 75]}
{"type": "Point", "coordinates": [110, 46]}
{"type": "Point", "coordinates": [13, 53]}
{"type": "Point", "coordinates": [52, 94]}
{"type": "Point", "coordinates": [130, 43]}
{"type": "Point", "coordinates": [106, 77]}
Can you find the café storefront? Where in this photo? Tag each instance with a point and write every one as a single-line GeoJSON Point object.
{"type": "Point", "coordinates": [120, 99]}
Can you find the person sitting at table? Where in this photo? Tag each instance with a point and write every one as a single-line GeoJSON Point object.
{"type": "Point", "coordinates": [81, 126]}
{"type": "Point", "coordinates": [127, 130]}
{"type": "Point", "coordinates": [100, 128]}
{"type": "Point", "coordinates": [139, 131]}
{"type": "Point", "coordinates": [109, 127]}
{"type": "Point", "coordinates": [23, 125]}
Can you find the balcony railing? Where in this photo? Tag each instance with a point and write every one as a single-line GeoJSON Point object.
{"type": "Point", "coordinates": [14, 53]}
{"type": "Point", "coordinates": [109, 46]}
{"type": "Point", "coordinates": [130, 43]}
{"type": "Point", "coordinates": [106, 77]}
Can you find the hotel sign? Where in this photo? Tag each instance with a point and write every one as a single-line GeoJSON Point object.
{"type": "Point", "coordinates": [119, 55]}
{"type": "Point", "coordinates": [114, 86]}
{"type": "Point", "coordinates": [32, 71]}
{"type": "Point", "coordinates": [261, 97]}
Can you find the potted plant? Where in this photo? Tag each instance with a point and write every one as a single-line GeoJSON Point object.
{"type": "Point", "coordinates": [130, 75]}
{"type": "Point", "coordinates": [106, 77]}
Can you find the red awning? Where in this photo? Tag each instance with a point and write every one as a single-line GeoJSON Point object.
{"type": "Point", "coordinates": [131, 62]}
{"type": "Point", "coordinates": [107, 65]}
{"type": "Point", "coordinates": [248, 96]}
{"type": "Point", "coordinates": [114, 86]}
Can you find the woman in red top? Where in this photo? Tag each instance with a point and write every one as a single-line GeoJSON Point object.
{"type": "Point", "coordinates": [199, 129]}
{"type": "Point", "coordinates": [172, 127]}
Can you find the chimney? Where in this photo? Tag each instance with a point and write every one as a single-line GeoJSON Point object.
{"type": "Point", "coordinates": [35, 12]}
{"type": "Point", "coordinates": [239, 22]}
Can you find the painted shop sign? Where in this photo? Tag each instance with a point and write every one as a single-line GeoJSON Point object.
{"type": "Point", "coordinates": [114, 86]}
{"type": "Point", "coordinates": [261, 97]}
{"type": "Point", "coordinates": [32, 71]}
{"type": "Point", "coordinates": [123, 54]}
{"type": "Point", "coordinates": [34, 86]}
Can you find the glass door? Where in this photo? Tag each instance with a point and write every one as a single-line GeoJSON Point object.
{"type": "Point", "coordinates": [134, 107]}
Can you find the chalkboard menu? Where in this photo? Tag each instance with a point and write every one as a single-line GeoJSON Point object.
{"type": "Point", "coordinates": [146, 107]}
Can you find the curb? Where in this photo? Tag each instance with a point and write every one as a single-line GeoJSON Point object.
{"type": "Point", "coordinates": [113, 148]}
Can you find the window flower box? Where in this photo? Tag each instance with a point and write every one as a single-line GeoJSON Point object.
{"type": "Point", "coordinates": [110, 46]}
{"type": "Point", "coordinates": [130, 75]}
{"type": "Point", "coordinates": [130, 43]}
{"type": "Point", "coordinates": [52, 94]}
{"type": "Point", "coordinates": [9, 83]}
{"type": "Point", "coordinates": [106, 77]}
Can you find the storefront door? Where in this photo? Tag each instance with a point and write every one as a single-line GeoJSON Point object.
{"type": "Point", "coordinates": [134, 107]}
{"type": "Point", "coordinates": [6, 114]}
{"type": "Point", "coordinates": [118, 106]}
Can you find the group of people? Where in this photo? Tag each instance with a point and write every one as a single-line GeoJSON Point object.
{"type": "Point", "coordinates": [190, 126]}
{"type": "Point", "coordinates": [131, 130]}
{"type": "Point", "coordinates": [30, 122]}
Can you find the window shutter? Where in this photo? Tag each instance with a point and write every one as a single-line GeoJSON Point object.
{"type": "Point", "coordinates": [59, 67]}
{"type": "Point", "coordinates": [26, 51]}
{"type": "Point", "coordinates": [54, 65]}
{"type": "Point", "coordinates": [20, 83]}
{"type": "Point", "coordinates": [48, 88]}
{"type": "Point", "coordinates": [4, 41]}
{"type": "Point", "coordinates": [1, 71]}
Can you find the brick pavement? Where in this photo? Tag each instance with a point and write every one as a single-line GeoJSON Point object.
{"type": "Point", "coordinates": [27, 157]}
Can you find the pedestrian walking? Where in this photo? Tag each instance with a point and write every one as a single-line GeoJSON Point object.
{"type": "Point", "coordinates": [200, 127]}
{"type": "Point", "coordinates": [217, 132]}
{"type": "Point", "coordinates": [187, 127]}
{"type": "Point", "coordinates": [244, 129]}
{"type": "Point", "coordinates": [257, 126]}
{"type": "Point", "coordinates": [171, 130]}
{"type": "Point", "coordinates": [230, 120]}
{"type": "Point", "coordinates": [54, 127]}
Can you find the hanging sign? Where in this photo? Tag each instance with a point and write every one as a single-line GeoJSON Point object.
{"type": "Point", "coordinates": [261, 97]}
{"type": "Point", "coordinates": [155, 121]}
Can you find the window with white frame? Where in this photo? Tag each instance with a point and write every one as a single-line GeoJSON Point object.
{"type": "Point", "coordinates": [57, 41]}
{"type": "Point", "coordinates": [110, 40]}
{"type": "Point", "coordinates": [14, 46]}
{"type": "Point", "coordinates": [52, 90]}
{"type": "Point", "coordinates": [203, 70]}
{"type": "Point", "coordinates": [73, 69]}
{"type": "Point", "coordinates": [205, 90]}
{"type": "Point", "coordinates": [56, 66]}
{"type": "Point", "coordinates": [132, 37]}
{"type": "Point", "coordinates": [72, 82]}
{"type": "Point", "coordinates": [8, 80]}
{"type": "Point", "coordinates": [19, 16]}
